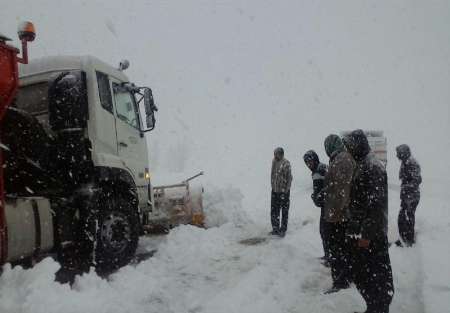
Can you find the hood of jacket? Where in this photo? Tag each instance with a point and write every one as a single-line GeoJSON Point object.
{"type": "Point", "coordinates": [403, 152]}
{"type": "Point", "coordinates": [333, 145]}
{"type": "Point", "coordinates": [311, 155]}
{"type": "Point", "coordinates": [357, 144]}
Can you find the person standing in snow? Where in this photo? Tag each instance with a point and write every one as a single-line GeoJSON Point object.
{"type": "Point", "coordinates": [367, 227]}
{"type": "Point", "coordinates": [409, 194]}
{"type": "Point", "coordinates": [336, 195]}
{"type": "Point", "coordinates": [281, 178]}
{"type": "Point", "coordinates": [318, 172]}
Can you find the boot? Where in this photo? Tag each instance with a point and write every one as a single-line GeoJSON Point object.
{"type": "Point", "coordinates": [326, 263]}
{"type": "Point", "coordinates": [336, 288]}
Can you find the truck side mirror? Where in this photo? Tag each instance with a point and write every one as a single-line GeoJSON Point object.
{"type": "Point", "coordinates": [150, 108]}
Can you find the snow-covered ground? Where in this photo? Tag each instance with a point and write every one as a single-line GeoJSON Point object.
{"type": "Point", "coordinates": [212, 270]}
{"type": "Point", "coordinates": [233, 80]}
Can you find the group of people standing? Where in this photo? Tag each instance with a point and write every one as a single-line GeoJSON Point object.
{"type": "Point", "coordinates": [352, 192]}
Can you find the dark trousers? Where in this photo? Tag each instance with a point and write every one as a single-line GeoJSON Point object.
{"type": "Point", "coordinates": [372, 274]}
{"type": "Point", "coordinates": [279, 206]}
{"type": "Point", "coordinates": [407, 217]}
{"type": "Point", "coordinates": [339, 253]}
{"type": "Point", "coordinates": [324, 235]}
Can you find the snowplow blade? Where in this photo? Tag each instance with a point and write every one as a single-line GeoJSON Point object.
{"type": "Point", "coordinates": [181, 203]}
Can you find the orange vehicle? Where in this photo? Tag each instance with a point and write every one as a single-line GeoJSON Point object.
{"type": "Point", "coordinates": [9, 83]}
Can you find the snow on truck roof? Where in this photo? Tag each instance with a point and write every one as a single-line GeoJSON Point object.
{"type": "Point", "coordinates": [60, 63]}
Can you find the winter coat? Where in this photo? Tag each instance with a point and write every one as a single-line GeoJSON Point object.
{"type": "Point", "coordinates": [318, 176]}
{"type": "Point", "coordinates": [281, 176]}
{"type": "Point", "coordinates": [337, 184]}
{"type": "Point", "coordinates": [369, 193]}
{"type": "Point", "coordinates": [409, 173]}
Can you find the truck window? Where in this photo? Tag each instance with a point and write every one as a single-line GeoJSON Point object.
{"type": "Point", "coordinates": [104, 91]}
{"type": "Point", "coordinates": [125, 106]}
{"type": "Point", "coordinates": [33, 99]}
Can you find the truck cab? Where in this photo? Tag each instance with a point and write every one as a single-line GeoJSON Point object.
{"type": "Point", "coordinates": [76, 161]}
{"type": "Point", "coordinates": [114, 123]}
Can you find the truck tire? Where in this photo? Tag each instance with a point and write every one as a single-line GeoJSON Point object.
{"type": "Point", "coordinates": [112, 229]}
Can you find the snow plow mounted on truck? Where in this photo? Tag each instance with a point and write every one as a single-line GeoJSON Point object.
{"type": "Point", "coordinates": [75, 178]}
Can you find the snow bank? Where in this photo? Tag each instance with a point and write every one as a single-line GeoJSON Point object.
{"type": "Point", "coordinates": [213, 271]}
{"type": "Point", "coordinates": [224, 206]}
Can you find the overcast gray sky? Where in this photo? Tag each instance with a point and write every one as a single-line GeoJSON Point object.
{"type": "Point", "coordinates": [233, 79]}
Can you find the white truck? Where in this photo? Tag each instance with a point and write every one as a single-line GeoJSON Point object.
{"type": "Point", "coordinates": [75, 165]}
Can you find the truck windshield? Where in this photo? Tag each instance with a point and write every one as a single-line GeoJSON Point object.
{"type": "Point", "coordinates": [33, 99]}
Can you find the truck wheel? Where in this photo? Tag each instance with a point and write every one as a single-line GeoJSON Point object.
{"type": "Point", "coordinates": [113, 230]}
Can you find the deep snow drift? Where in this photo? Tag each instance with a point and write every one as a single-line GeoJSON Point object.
{"type": "Point", "coordinates": [197, 270]}
{"type": "Point", "coordinates": [233, 80]}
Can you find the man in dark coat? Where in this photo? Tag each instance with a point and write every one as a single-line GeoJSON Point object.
{"type": "Point", "coordinates": [367, 228]}
{"type": "Point", "coordinates": [409, 195]}
{"type": "Point", "coordinates": [318, 172]}
{"type": "Point", "coordinates": [336, 194]}
{"type": "Point", "coordinates": [281, 178]}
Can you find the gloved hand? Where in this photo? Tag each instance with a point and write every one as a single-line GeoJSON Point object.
{"type": "Point", "coordinates": [318, 199]}
{"type": "Point", "coordinates": [363, 243]}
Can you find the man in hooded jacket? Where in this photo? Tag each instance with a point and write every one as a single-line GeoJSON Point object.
{"type": "Point", "coordinates": [336, 195]}
{"type": "Point", "coordinates": [367, 228]}
{"type": "Point", "coordinates": [281, 179]}
{"type": "Point", "coordinates": [318, 172]}
{"type": "Point", "coordinates": [409, 194]}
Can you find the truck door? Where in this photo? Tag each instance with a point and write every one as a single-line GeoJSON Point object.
{"type": "Point", "coordinates": [131, 144]}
